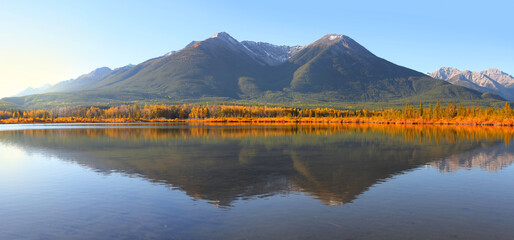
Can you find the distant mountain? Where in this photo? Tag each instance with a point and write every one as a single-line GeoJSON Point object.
{"type": "Point", "coordinates": [78, 84]}
{"type": "Point", "coordinates": [31, 91]}
{"type": "Point", "coordinates": [491, 80]}
{"type": "Point", "coordinates": [81, 82]}
{"type": "Point", "coordinates": [334, 68]}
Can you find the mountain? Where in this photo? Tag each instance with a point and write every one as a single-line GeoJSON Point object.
{"type": "Point", "coordinates": [501, 77]}
{"type": "Point", "coordinates": [84, 82]}
{"type": "Point", "coordinates": [491, 80]}
{"type": "Point", "coordinates": [333, 69]}
{"type": "Point", "coordinates": [337, 62]}
{"type": "Point", "coordinates": [78, 84]}
{"type": "Point", "coordinates": [81, 82]}
{"type": "Point", "coordinates": [213, 67]}
{"type": "Point", "coordinates": [271, 54]}
{"type": "Point", "coordinates": [31, 91]}
{"type": "Point", "coordinates": [8, 106]}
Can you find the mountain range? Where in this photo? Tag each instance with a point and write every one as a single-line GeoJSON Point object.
{"type": "Point", "coordinates": [491, 80]}
{"type": "Point", "coordinates": [31, 90]}
{"type": "Point", "coordinates": [333, 69]}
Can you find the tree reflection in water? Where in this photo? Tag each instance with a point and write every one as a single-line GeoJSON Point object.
{"type": "Point", "coordinates": [223, 163]}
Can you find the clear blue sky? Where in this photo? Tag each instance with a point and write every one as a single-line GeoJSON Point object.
{"type": "Point", "coordinates": [50, 41]}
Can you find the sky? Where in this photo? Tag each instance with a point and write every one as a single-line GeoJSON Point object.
{"type": "Point", "coordinates": [50, 41]}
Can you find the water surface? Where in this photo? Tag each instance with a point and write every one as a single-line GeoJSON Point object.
{"type": "Point", "coordinates": [154, 181]}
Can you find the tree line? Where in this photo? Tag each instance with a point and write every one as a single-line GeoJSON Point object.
{"type": "Point", "coordinates": [430, 113]}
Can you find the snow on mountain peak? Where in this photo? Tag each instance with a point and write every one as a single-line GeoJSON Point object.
{"type": "Point", "coordinates": [270, 54]}
{"type": "Point", "coordinates": [265, 53]}
{"type": "Point", "coordinates": [491, 80]}
{"type": "Point", "coordinates": [479, 78]}
{"type": "Point", "coordinates": [332, 37]}
{"type": "Point", "coordinates": [342, 43]}
{"type": "Point", "coordinates": [221, 35]}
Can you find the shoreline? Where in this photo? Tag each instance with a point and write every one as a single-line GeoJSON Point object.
{"type": "Point", "coordinates": [258, 121]}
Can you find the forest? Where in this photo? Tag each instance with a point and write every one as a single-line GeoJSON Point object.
{"type": "Point", "coordinates": [411, 114]}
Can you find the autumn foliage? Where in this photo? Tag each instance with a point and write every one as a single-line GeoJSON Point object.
{"type": "Point", "coordinates": [449, 114]}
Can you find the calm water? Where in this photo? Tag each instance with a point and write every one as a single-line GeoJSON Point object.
{"type": "Point", "coordinates": [135, 181]}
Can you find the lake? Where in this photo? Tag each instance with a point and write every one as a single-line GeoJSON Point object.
{"type": "Point", "coordinates": [159, 181]}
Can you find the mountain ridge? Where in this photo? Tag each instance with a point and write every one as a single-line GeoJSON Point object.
{"type": "Point", "coordinates": [490, 80]}
{"type": "Point", "coordinates": [75, 83]}
{"type": "Point", "coordinates": [334, 68]}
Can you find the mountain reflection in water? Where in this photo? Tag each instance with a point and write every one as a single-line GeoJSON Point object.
{"type": "Point", "coordinates": [220, 164]}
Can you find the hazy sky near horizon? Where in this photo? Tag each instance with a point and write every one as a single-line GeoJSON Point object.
{"type": "Point", "coordinates": [50, 41]}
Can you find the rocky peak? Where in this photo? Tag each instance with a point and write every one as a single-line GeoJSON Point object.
{"type": "Point", "coordinates": [329, 39]}
{"type": "Point", "coordinates": [493, 71]}
{"type": "Point", "coordinates": [503, 78]}
{"type": "Point", "coordinates": [485, 78]}
{"type": "Point", "coordinates": [264, 53]}
{"type": "Point", "coordinates": [129, 66]}
{"type": "Point", "coordinates": [444, 73]}
{"type": "Point", "coordinates": [221, 35]}
{"type": "Point", "coordinates": [491, 80]}
{"type": "Point", "coordinates": [342, 43]}
{"type": "Point", "coordinates": [225, 37]}
{"type": "Point", "coordinates": [271, 54]}
{"type": "Point", "coordinates": [97, 72]}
